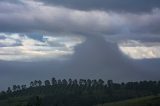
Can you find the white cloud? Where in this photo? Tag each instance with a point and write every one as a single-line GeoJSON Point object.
{"type": "Point", "coordinates": [7, 42]}
{"type": "Point", "coordinates": [140, 50]}
{"type": "Point", "coordinates": [30, 49]}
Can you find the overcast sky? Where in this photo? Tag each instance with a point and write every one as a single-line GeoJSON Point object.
{"type": "Point", "coordinates": [108, 39]}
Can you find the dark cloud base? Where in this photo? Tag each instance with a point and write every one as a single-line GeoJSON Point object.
{"type": "Point", "coordinates": [93, 59]}
{"type": "Point", "coordinates": [137, 6]}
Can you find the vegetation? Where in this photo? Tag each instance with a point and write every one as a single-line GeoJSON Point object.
{"type": "Point", "coordinates": [76, 92]}
{"type": "Point", "coordinates": [145, 101]}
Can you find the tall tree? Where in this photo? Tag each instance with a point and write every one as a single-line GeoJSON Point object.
{"type": "Point", "coordinates": [23, 87]}
{"type": "Point", "coordinates": [47, 83]}
{"type": "Point", "coordinates": [54, 82]}
{"type": "Point", "coordinates": [18, 87]}
{"type": "Point", "coordinates": [59, 82]}
{"type": "Point", "coordinates": [89, 82]}
{"type": "Point", "coordinates": [70, 81]}
{"type": "Point", "coordinates": [9, 90]}
{"type": "Point", "coordinates": [14, 88]}
{"type": "Point", "coordinates": [39, 83]}
{"type": "Point", "coordinates": [100, 82]}
{"type": "Point", "coordinates": [31, 84]}
{"type": "Point", "coordinates": [35, 83]}
{"type": "Point", "coordinates": [110, 83]}
{"type": "Point", "coordinates": [64, 82]}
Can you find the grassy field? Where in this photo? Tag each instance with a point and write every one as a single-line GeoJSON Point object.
{"type": "Point", "coordinates": [145, 101]}
{"type": "Point", "coordinates": [16, 101]}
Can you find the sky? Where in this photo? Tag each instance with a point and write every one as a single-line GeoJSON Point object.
{"type": "Point", "coordinates": [108, 39]}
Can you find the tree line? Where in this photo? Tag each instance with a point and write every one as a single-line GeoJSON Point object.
{"type": "Point", "coordinates": [82, 92]}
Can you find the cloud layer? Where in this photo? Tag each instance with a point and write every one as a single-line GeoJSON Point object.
{"type": "Point", "coordinates": [19, 47]}
{"type": "Point", "coordinates": [32, 16]}
{"type": "Point", "coordinates": [136, 6]}
{"type": "Point", "coordinates": [140, 50]}
{"type": "Point", "coordinates": [57, 19]}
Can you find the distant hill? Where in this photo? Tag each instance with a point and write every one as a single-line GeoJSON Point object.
{"type": "Point", "coordinates": [144, 101]}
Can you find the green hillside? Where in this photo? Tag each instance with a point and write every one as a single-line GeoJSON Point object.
{"type": "Point", "coordinates": [145, 101]}
{"type": "Point", "coordinates": [14, 101]}
{"type": "Point", "coordinates": [82, 92]}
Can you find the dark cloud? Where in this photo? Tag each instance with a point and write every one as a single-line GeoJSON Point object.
{"type": "Point", "coordinates": [113, 5]}
{"type": "Point", "coordinates": [32, 17]}
{"type": "Point", "coordinates": [29, 16]}
{"type": "Point", "coordinates": [93, 59]}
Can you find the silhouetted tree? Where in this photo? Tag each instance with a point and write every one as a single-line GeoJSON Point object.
{"type": "Point", "coordinates": [64, 82]}
{"type": "Point", "coordinates": [18, 87]}
{"type": "Point", "coordinates": [14, 88]}
{"type": "Point", "coordinates": [31, 84]}
{"type": "Point", "coordinates": [23, 87]}
{"type": "Point", "coordinates": [47, 83]}
{"type": "Point", "coordinates": [70, 81]}
{"type": "Point", "coordinates": [35, 83]}
{"type": "Point", "coordinates": [39, 83]}
{"type": "Point", "coordinates": [110, 83]}
{"type": "Point", "coordinates": [94, 83]}
{"type": "Point", "coordinates": [59, 82]}
{"type": "Point", "coordinates": [75, 83]}
{"type": "Point", "coordinates": [89, 82]}
{"type": "Point", "coordinates": [54, 82]}
{"type": "Point", "coordinates": [9, 90]}
{"type": "Point", "coordinates": [83, 93]}
{"type": "Point", "coordinates": [101, 82]}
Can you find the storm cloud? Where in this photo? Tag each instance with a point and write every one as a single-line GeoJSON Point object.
{"type": "Point", "coordinates": [108, 39]}
{"type": "Point", "coordinates": [136, 6]}
{"type": "Point", "coordinates": [91, 60]}
{"type": "Point", "coordinates": [34, 16]}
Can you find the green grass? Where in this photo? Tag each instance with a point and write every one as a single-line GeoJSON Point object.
{"type": "Point", "coordinates": [17, 101]}
{"type": "Point", "coordinates": [14, 101]}
{"type": "Point", "coordinates": [145, 101]}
